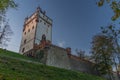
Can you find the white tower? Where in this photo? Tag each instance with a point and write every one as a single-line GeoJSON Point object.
{"type": "Point", "coordinates": [35, 26]}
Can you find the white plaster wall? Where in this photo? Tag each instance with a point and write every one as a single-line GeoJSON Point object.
{"type": "Point", "coordinates": [40, 28]}
{"type": "Point", "coordinates": [43, 28]}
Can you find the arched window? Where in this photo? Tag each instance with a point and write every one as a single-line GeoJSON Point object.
{"type": "Point", "coordinates": [33, 27]}
{"type": "Point", "coordinates": [43, 37]}
{"type": "Point", "coordinates": [23, 49]}
{"type": "Point", "coordinates": [25, 41]}
{"type": "Point", "coordinates": [25, 33]}
{"type": "Point", "coordinates": [28, 30]}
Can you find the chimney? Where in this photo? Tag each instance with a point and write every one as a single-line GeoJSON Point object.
{"type": "Point", "coordinates": [68, 51]}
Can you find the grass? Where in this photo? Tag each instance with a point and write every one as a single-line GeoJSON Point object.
{"type": "Point", "coordinates": [14, 66]}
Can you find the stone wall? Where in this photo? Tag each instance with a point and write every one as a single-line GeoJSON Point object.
{"type": "Point", "coordinates": [57, 57]}
{"type": "Point", "coordinates": [82, 65]}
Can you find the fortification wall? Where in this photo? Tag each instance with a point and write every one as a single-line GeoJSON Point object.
{"type": "Point", "coordinates": [57, 57]}
{"type": "Point", "coordinates": [82, 65]}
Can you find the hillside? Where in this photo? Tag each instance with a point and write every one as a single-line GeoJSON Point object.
{"type": "Point", "coordinates": [14, 66]}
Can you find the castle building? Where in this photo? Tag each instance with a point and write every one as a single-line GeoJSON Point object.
{"type": "Point", "coordinates": [37, 43]}
{"type": "Point", "coordinates": [36, 27]}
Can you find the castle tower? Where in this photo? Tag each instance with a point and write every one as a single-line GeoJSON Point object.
{"type": "Point", "coordinates": [35, 27]}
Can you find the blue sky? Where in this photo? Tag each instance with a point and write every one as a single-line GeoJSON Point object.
{"type": "Point", "coordinates": [75, 22]}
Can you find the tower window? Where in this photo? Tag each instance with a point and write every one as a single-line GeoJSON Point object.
{"type": "Point", "coordinates": [40, 20]}
{"type": "Point", "coordinates": [48, 25]}
{"type": "Point", "coordinates": [25, 41]}
{"type": "Point", "coordinates": [44, 23]}
{"type": "Point", "coordinates": [23, 29]}
{"type": "Point", "coordinates": [25, 33]}
{"type": "Point", "coordinates": [37, 20]}
{"type": "Point", "coordinates": [33, 27]}
{"type": "Point", "coordinates": [28, 30]}
{"type": "Point", "coordinates": [43, 37]}
{"type": "Point", "coordinates": [23, 49]}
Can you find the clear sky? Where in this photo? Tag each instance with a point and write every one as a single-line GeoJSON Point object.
{"type": "Point", "coordinates": [75, 22]}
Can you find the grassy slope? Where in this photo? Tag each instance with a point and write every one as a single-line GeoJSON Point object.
{"type": "Point", "coordinates": [17, 67]}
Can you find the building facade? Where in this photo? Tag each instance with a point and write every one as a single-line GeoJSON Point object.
{"type": "Point", "coordinates": [59, 57]}
{"type": "Point", "coordinates": [36, 26]}
{"type": "Point", "coordinates": [37, 43]}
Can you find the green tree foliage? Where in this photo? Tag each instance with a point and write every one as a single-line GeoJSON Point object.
{"type": "Point", "coordinates": [119, 67]}
{"type": "Point", "coordinates": [5, 4]}
{"type": "Point", "coordinates": [114, 33]}
{"type": "Point", "coordinates": [5, 34]}
{"type": "Point", "coordinates": [5, 30]}
{"type": "Point", "coordinates": [102, 49]}
{"type": "Point", "coordinates": [114, 5]}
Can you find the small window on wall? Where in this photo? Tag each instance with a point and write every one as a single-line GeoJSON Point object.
{"type": "Point", "coordinates": [25, 33]}
{"type": "Point", "coordinates": [48, 25]}
{"type": "Point", "coordinates": [23, 29]}
{"type": "Point", "coordinates": [25, 41]}
{"type": "Point", "coordinates": [28, 30]}
{"type": "Point", "coordinates": [33, 27]}
{"type": "Point", "coordinates": [23, 49]}
{"type": "Point", "coordinates": [44, 23]}
{"type": "Point", "coordinates": [40, 20]}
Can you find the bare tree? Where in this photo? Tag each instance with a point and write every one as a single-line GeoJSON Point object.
{"type": "Point", "coordinates": [5, 30]}
{"type": "Point", "coordinates": [5, 33]}
{"type": "Point", "coordinates": [80, 53]}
